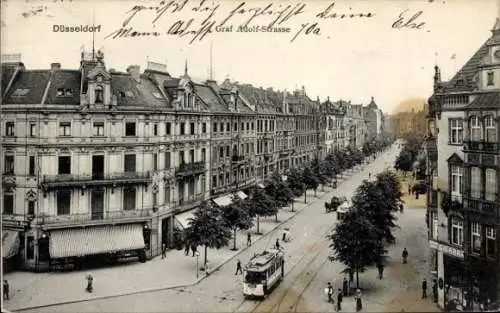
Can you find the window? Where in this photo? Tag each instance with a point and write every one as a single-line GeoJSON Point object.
{"type": "Point", "coordinates": [491, 129]}
{"type": "Point", "coordinates": [63, 202]}
{"type": "Point", "coordinates": [215, 127]}
{"type": "Point", "coordinates": [490, 241]}
{"type": "Point", "coordinates": [8, 203]}
{"type": "Point", "coordinates": [475, 128]}
{"type": "Point", "coordinates": [491, 78]}
{"type": "Point", "coordinates": [235, 127]}
{"type": "Point", "coordinates": [167, 160]}
{"type": "Point", "coordinates": [9, 129]}
{"type": "Point", "coordinates": [476, 183]}
{"type": "Point", "coordinates": [98, 129]}
{"type": "Point", "coordinates": [221, 152]}
{"type": "Point", "coordinates": [248, 126]}
{"type": "Point", "coordinates": [129, 199]}
{"type": "Point", "coordinates": [98, 94]}
{"type": "Point", "coordinates": [65, 129]}
{"type": "Point", "coordinates": [214, 181]}
{"type": "Point", "coordinates": [204, 128]}
{"type": "Point", "coordinates": [202, 184]}
{"type": "Point", "coordinates": [166, 194]}
{"type": "Point", "coordinates": [456, 131]}
{"type": "Point", "coordinates": [155, 130]}
{"type": "Point", "coordinates": [129, 163]}
{"type": "Point", "coordinates": [64, 165]}
{"type": "Point", "coordinates": [222, 128]}
{"type": "Point", "coordinates": [490, 188]}
{"type": "Point", "coordinates": [32, 129]}
{"type": "Point", "coordinates": [457, 231]}
{"type": "Point", "coordinates": [181, 157]}
{"type": "Point", "coordinates": [475, 238]}
{"type": "Point", "coordinates": [60, 92]}
{"type": "Point", "coordinates": [31, 166]}
{"type": "Point", "coordinates": [31, 207]}
{"type": "Point", "coordinates": [168, 128]}
{"type": "Point", "coordinates": [221, 180]}
{"type": "Point", "coordinates": [9, 164]}
{"type": "Point", "coordinates": [203, 155]}
{"type": "Point", "coordinates": [182, 128]}
{"type": "Point", "coordinates": [155, 162]}
{"type": "Point", "coordinates": [228, 127]}
{"type": "Point", "coordinates": [129, 128]}
{"type": "Point", "coordinates": [456, 180]}
{"type": "Point", "coordinates": [191, 156]}
{"type": "Point", "coordinates": [191, 126]}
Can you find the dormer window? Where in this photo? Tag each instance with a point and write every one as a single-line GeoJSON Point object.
{"type": "Point", "coordinates": [491, 78]}
{"type": "Point", "coordinates": [62, 92]}
{"type": "Point", "coordinates": [99, 94]}
{"type": "Point", "coordinates": [68, 92]}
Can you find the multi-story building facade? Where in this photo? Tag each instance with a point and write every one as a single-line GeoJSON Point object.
{"type": "Point", "coordinates": [356, 125]}
{"type": "Point", "coordinates": [463, 198]}
{"type": "Point", "coordinates": [334, 116]}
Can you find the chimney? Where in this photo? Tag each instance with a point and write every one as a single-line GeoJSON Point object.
{"type": "Point", "coordinates": [55, 66]}
{"type": "Point", "coordinates": [135, 72]}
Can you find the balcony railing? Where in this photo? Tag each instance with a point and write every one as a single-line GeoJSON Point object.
{"type": "Point", "coordinates": [237, 158]}
{"type": "Point", "coordinates": [481, 145]}
{"type": "Point", "coordinates": [481, 205]}
{"type": "Point", "coordinates": [79, 180]}
{"type": "Point", "coordinates": [187, 169]}
{"type": "Point", "coordinates": [187, 202]}
{"type": "Point", "coordinates": [94, 217]}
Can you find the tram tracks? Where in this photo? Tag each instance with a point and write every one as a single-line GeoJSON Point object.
{"type": "Point", "coordinates": [288, 298]}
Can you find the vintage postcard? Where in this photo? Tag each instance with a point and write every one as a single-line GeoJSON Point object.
{"type": "Point", "coordinates": [250, 156]}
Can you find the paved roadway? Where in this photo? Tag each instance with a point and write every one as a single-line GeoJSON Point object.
{"type": "Point", "coordinates": [306, 256]}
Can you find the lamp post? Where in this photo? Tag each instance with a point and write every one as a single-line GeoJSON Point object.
{"type": "Point", "coordinates": [197, 267]}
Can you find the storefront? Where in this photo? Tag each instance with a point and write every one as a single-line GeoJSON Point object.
{"type": "Point", "coordinates": [455, 284]}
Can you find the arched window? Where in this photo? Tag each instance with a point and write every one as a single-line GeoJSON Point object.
{"type": "Point", "coordinates": [491, 129]}
{"type": "Point", "coordinates": [475, 128]}
{"type": "Point", "coordinates": [99, 94]}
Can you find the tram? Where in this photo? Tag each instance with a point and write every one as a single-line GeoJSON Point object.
{"type": "Point", "coordinates": [263, 272]}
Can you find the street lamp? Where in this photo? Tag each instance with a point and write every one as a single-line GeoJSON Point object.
{"type": "Point", "coordinates": [197, 267]}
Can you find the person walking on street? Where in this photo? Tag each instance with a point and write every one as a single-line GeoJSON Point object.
{"type": "Point", "coordinates": [434, 291]}
{"type": "Point", "coordinates": [163, 250]}
{"type": "Point", "coordinates": [424, 288]}
{"type": "Point", "coordinates": [186, 248]}
{"type": "Point", "coordinates": [340, 297]}
{"type": "Point", "coordinates": [329, 292]}
{"type": "Point", "coordinates": [359, 303]}
{"type": "Point", "coordinates": [249, 240]}
{"type": "Point", "coordinates": [194, 249]}
{"type": "Point", "coordinates": [277, 244]}
{"type": "Point", "coordinates": [90, 280]}
{"type": "Point", "coordinates": [5, 290]}
{"type": "Point", "coordinates": [405, 256]}
{"type": "Point", "coordinates": [345, 287]}
{"type": "Point", "coordinates": [238, 268]}
{"type": "Point", "coordinates": [380, 268]}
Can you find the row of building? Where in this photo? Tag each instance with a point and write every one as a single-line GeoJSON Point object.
{"type": "Point", "coordinates": [96, 161]}
{"type": "Point", "coordinates": [463, 199]}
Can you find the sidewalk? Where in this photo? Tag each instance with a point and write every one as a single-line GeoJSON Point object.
{"type": "Point", "coordinates": [31, 290]}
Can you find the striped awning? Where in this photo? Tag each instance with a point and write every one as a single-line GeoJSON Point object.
{"type": "Point", "coordinates": [224, 201]}
{"type": "Point", "coordinates": [95, 240]}
{"type": "Point", "coordinates": [10, 243]}
{"type": "Point", "coordinates": [183, 219]}
{"type": "Point", "coordinates": [241, 195]}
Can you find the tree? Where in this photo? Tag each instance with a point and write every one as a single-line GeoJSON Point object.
{"type": "Point", "coordinates": [260, 204]}
{"type": "Point", "coordinates": [295, 183]}
{"type": "Point", "coordinates": [353, 243]}
{"type": "Point", "coordinates": [389, 182]}
{"type": "Point", "coordinates": [320, 170]}
{"type": "Point", "coordinates": [310, 180]}
{"type": "Point", "coordinates": [279, 191]}
{"type": "Point", "coordinates": [208, 228]}
{"type": "Point", "coordinates": [237, 217]}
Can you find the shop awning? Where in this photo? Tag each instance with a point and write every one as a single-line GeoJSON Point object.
{"type": "Point", "coordinates": [183, 219]}
{"type": "Point", "coordinates": [224, 201]}
{"type": "Point", "coordinates": [10, 243]}
{"type": "Point", "coordinates": [95, 240]}
{"type": "Point", "coordinates": [241, 195]}
{"type": "Point", "coordinates": [261, 186]}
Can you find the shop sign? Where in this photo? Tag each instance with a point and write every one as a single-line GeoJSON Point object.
{"type": "Point", "coordinates": [458, 253]}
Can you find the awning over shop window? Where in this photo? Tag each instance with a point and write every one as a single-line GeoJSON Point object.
{"type": "Point", "coordinates": [224, 201]}
{"type": "Point", "coordinates": [241, 195]}
{"type": "Point", "coordinates": [10, 243]}
{"type": "Point", "coordinates": [182, 220]}
{"type": "Point", "coordinates": [95, 240]}
{"type": "Point", "coordinates": [261, 186]}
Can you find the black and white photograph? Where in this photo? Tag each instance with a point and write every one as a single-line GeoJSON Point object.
{"type": "Point", "coordinates": [250, 156]}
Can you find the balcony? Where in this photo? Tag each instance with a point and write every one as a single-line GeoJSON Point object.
{"type": "Point", "coordinates": [188, 169]}
{"type": "Point", "coordinates": [188, 202]}
{"type": "Point", "coordinates": [237, 159]}
{"type": "Point", "coordinates": [481, 206]}
{"type": "Point", "coordinates": [105, 217]}
{"type": "Point", "coordinates": [109, 179]}
{"type": "Point", "coordinates": [481, 145]}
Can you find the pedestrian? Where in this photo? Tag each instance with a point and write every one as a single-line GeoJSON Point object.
{"type": "Point", "coordinates": [186, 248]}
{"type": "Point", "coordinates": [249, 240]}
{"type": "Point", "coordinates": [284, 236]}
{"type": "Point", "coordinates": [434, 291]}
{"type": "Point", "coordinates": [90, 280]}
{"type": "Point", "coordinates": [369, 175]}
{"type": "Point", "coordinates": [238, 268]}
{"type": "Point", "coordinates": [401, 207]}
{"type": "Point", "coordinates": [345, 287]}
{"type": "Point", "coordinates": [424, 288]}
{"type": "Point", "coordinates": [329, 292]}
{"type": "Point", "coordinates": [5, 290]}
{"type": "Point", "coordinates": [405, 256]}
{"type": "Point", "coordinates": [409, 189]}
{"type": "Point", "coordinates": [163, 250]}
{"type": "Point", "coordinates": [359, 303]}
{"type": "Point", "coordinates": [277, 244]}
{"type": "Point", "coordinates": [380, 268]}
{"type": "Point", "coordinates": [194, 249]}
{"type": "Point", "coordinates": [340, 297]}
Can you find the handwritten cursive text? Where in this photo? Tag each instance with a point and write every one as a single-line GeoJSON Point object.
{"type": "Point", "coordinates": [411, 23]}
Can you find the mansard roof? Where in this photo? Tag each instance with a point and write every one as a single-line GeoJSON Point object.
{"type": "Point", "coordinates": [28, 87]}
{"type": "Point", "coordinates": [487, 100]}
{"type": "Point", "coordinates": [68, 80]}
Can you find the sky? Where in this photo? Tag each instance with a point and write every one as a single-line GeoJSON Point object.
{"type": "Point", "coordinates": [350, 59]}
